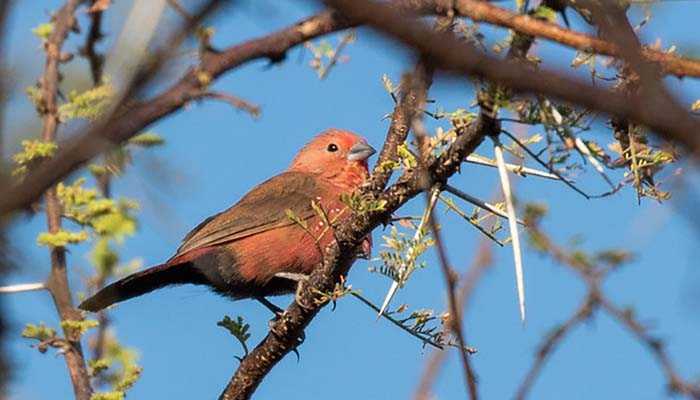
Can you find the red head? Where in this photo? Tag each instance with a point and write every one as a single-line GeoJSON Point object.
{"type": "Point", "coordinates": [337, 155]}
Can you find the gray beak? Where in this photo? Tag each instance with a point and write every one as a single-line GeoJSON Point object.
{"type": "Point", "coordinates": [360, 151]}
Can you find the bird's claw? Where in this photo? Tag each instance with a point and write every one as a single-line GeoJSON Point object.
{"type": "Point", "coordinates": [299, 340]}
{"type": "Point", "coordinates": [300, 279]}
{"type": "Point", "coordinates": [277, 311]}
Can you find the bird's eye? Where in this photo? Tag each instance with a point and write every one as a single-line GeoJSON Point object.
{"type": "Point", "coordinates": [332, 147]}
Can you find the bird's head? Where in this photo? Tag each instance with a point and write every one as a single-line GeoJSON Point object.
{"type": "Point", "coordinates": [337, 155]}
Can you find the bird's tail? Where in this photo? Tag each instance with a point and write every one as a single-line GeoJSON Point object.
{"type": "Point", "coordinates": [141, 283]}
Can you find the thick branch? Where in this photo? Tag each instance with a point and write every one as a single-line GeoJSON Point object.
{"type": "Point", "coordinates": [400, 125]}
{"type": "Point", "coordinates": [274, 46]}
{"type": "Point", "coordinates": [457, 57]}
{"type": "Point", "coordinates": [482, 11]}
{"type": "Point", "coordinates": [129, 123]}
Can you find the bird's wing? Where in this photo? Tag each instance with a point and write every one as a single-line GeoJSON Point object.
{"type": "Point", "coordinates": [263, 208]}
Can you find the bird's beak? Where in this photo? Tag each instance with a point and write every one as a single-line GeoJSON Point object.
{"type": "Point", "coordinates": [360, 151]}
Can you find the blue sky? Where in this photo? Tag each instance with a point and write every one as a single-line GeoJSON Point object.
{"type": "Point", "coordinates": [215, 154]}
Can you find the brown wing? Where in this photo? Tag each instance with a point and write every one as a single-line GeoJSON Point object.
{"type": "Point", "coordinates": [263, 208]}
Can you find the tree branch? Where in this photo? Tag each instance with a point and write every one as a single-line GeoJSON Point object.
{"type": "Point", "coordinates": [130, 122]}
{"type": "Point", "coordinates": [89, 51]}
{"type": "Point", "coordinates": [338, 257]}
{"type": "Point", "coordinates": [483, 11]}
{"type": "Point", "coordinates": [57, 284]}
{"type": "Point", "coordinates": [482, 261]}
{"type": "Point", "coordinates": [465, 59]}
{"type": "Point", "coordinates": [457, 57]}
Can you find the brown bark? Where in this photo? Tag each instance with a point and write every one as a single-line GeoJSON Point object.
{"type": "Point", "coordinates": [57, 283]}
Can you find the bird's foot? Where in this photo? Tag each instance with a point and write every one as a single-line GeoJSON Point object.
{"type": "Point", "coordinates": [280, 332]}
{"type": "Point", "coordinates": [277, 311]}
{"type": "Point", "coordinates": [300, 279]}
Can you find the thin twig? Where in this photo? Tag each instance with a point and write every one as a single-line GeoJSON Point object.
{"type": "Point", "coordinates": [406, 269]}
{"type": "Point", "coordinates": [424, 339]}
{"type": "Point", "coordinates": [89, 50]}
{"type": "Point", "coordinates": [467, 218]}
{"type": "Point", "coordinates": [235, 101]}
{"type": "Point", "coordinates": [175, 4]}
{"type": "Point", "coordinates": [57, 283]}
{"type": "Point", "coordinates": [482, 261]}
{"type": "Point", "coordinates": [347, 39]}
{"type": "Point", "coordinates": [550, 342]}
{"type": "Point", "coordinates": [479, 203]}
{"type": "Point", "coordinates": [657, 348]}
{"type": "Point", "coordinates": [583, 148]}
{"type": "Point", "coordinates": [455, 312]}
{"type": "Point", "coordinates": [544, 164]}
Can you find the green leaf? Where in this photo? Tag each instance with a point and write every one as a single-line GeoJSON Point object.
{"type": "Point", "coordinates": [43, 31]}
{"type": "Point", "coordinates": [147, 139]}
{"type": "Point", "coordinates": [89, 104]}
{"type": "Point", "coordinates": [238, 329]}
{"type": "Point", "coordinates": [32, 152]}
{"type": "Point", "coordinates": [39, 332]}
{"type": "Point", "coordinates": [103, 257]}
{"type": "Point", "coordinates": [116, 395]}
{"type": "Point", "coordinates": [546, 13]}
{"type": "Point", "coordinates": [61, 238]}
{"type": "Point", "coordinates": [98, 366]}
{"type": "Point", "coordinates": [79, 326]}
{"type": "Point", "coordinates": [292, 216]}
{"type": "Point", "coordinates": [362, 205]}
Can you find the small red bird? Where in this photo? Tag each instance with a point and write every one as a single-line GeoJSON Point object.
{"type": "Point", "coordinates": [240, 251]}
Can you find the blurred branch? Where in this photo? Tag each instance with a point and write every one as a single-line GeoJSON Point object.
{"type": "Point", "coordinates": [175, 5]}
{"type": "Point", "coordinates": [5, 370]}
{"type": "Point", "coordinates": [657, 348]}
{"type": "Point", "coordinates": [449, 275]}
{"type": "Point", "coordinates": [455, 319]}
{"type": "Point", "coordinates": [347, 39]}
{"type": "Point", "coordinates": [483, 11]}
{"type": "Point", "coordinates": [444, 49]}
{"type": "Point", "coordinates": [234, 101]}
{"type": "Point", "coordinates": [456, 56]}
{"type": "Point", "coordinates": [482, 261]}
{"type": "Point", "coordinates": [5, 7]}
{"type": "Point", "coordinates": [593, 274]}
{"type": "Point", "coordinates": [130, 121]}
{"type": "Point", "coordinates": [64, 22]}
{"type": "Point", "coordinates": [553, 339]}
{"type": "Point", "coordinates": [89, 50]}
{"type": "Point", "coordinates": [401, 118]}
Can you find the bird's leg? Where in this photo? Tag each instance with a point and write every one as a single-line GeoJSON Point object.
{"type": "Point", "coordinates": [270, 306]}
{"type": "Point", "coordinates": [299, 279]}
{"type": "Point", "coordinates": [292, 276]}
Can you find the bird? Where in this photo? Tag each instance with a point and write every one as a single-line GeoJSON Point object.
{"type": "Point", "coordinates": [274, 233]}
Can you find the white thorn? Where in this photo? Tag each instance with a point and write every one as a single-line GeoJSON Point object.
{"type": "Point", "coordinates": [23, 287]}
{"type": "Point", "coordinates": [389, 295]}
{"type": "Point", "coordinates": [581, 146]}
{"type": "Point", "coordinates": [409, 254]}
{"type": "Point", "coordinates": [517, 169]}
{"type": "Point", "coordinates": [510, 209]}
{"type": "Point", "coordinates": [478, 202]}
